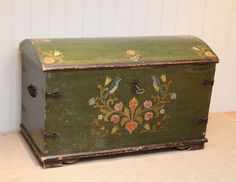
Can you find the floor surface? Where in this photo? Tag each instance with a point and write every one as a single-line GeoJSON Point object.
{"type": "Point", "coordinates": [217, 162]}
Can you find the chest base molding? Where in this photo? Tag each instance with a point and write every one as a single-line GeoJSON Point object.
{"type": "Point", "coordinates": [60, 160]}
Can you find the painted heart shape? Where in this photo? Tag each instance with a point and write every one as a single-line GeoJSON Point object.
{"type": "Point", "coordinates": [131, 126]}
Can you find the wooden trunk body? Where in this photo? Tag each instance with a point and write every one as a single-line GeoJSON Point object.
{"type": "Point", "coordinates": [100, 96]}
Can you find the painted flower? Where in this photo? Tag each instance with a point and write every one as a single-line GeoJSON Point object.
{"type": "Point", "coordinates": [162, 111]}
{"type": "Point", "coordinates": [100, 116]}
{"type": "Point", "coordinates": [147, 104]}
{"type": "Point", "coordinates": [133, 103]}
{"type": "Point", "coordinates": [49, 60]}
{"type": "Point", "coordinates": [131, 126]}
{"type": "Point", "coordinates": [108, 80]}
{"type": "Point", "coordinates": [57, 53]}
{"type": "Point", "coordinates": [130, 52]}
{"type": "Point", "coordinates": [115, 118]}
{"type": "Point", "coordinates": [91, 101]}
{"type": "Point", "coordinates": [148, 116]}
{"type": "Point", "coordinates": [118, 106]}
{"type": "Point", "coordinates": [173, 96]}
{"type": "Point", "coordinates": [209, 54]}
{"type": "Point", "coordinates": [163, 77]}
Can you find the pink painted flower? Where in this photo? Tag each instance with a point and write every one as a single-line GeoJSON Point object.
{"type": "Point", "coordinates": [147, 104]}
{"type": "Point", "coordinates": [148, 116]}
{"type": "Point", "coordinates": [115, 118]}
{"type": "Point", "coordinates": [118, 106]}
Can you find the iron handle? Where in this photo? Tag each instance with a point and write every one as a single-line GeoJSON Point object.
{"type": "Point", "coordinates": [32, 91]}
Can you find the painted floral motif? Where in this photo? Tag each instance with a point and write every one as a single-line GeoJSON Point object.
{"type": "Point", "coordinates": [132, 55]}
{"type": "Point", "coordinates": [53, 56]}
{"type": "Point", "coordinates": [203, 51]}
{"type": "Point", "coordinates": [115, 117]}
{"type": "Point", "coordinates": [148, 116]}
{"type": "Point", "coordinates": [147, 104]}
{"type": "Point", "coordinates": [118, 106]}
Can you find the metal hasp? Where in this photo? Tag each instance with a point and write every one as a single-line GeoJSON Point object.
{"type": "Point", "coordinates": [136, 88]}
{"type": "Point", "coordinates": [54, 94]}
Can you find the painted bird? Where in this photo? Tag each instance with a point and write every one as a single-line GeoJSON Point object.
{"type": "Point", "coordinates": [157, 86]}
{"type": "Point", "coordinates": [113, 87]}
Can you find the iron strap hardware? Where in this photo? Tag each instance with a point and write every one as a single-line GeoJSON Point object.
{"type": "Point", "coordinates": [202, 120]}
{"type": "Point", "coordinates": [54, 94]}
{"type": "Point", "coordinates": [208, 82]}
{"type": "Point", "coordinates": [51, 135]}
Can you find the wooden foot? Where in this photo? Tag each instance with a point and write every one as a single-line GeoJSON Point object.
{"type": "Point", "coordinates": [51, 164]}
{"type": "Point", "coordinates": [196, 146]}
{"type": "Point", "coordinates": [185, 147]}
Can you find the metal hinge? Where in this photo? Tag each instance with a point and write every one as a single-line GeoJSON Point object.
{"type": "Point", "coordinates": [51, 135]}
{"type": "Point", "coordinates": [208, 82]}
{"type": "Point", "coordinates": [202, 120]}
{"type": "Point", "coordinates": [54, 94]}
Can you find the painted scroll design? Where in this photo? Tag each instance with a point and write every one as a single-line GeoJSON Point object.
{"type": "Point", "coordinates": [116, 117]}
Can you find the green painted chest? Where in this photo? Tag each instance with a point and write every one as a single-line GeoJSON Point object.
{"type": "Point", "coordinates": [99, 96]}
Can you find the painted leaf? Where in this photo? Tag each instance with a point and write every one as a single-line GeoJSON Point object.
{"type": "Point", "coordinates": [105, 118]}
{"type": "Point", "coordinates": [138, 112]}
{"type": "Point", "coordinates": [123, 121]}
{"type": "Point", "coordinates": [147, 127]}
{"type": "Point", "coordinates": [99, 87]}
{"type": "Point", "coordinates": [127, 113]}
{"type": "Point", "coordinates": [139, 119]}
{"type": "Point", "coordinates": [114, 129]}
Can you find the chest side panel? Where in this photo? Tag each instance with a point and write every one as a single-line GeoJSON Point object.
{"type": "Point", "coordinates": [109, 109]}
{"type": "Point", "coordinates": [33, 100]}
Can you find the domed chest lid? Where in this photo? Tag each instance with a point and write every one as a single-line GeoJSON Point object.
{"type": "Point", "coordinates": [83, 53]}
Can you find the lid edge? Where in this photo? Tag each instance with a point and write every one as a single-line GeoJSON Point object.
{"type": "Point", "coordinates": [124, 65]}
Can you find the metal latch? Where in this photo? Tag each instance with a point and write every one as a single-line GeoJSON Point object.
{"type": "Point", "coordinates": [54, 94]}
{"type": "Point", "coordinates": [51, 135]}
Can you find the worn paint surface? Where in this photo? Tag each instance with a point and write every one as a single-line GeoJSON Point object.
{"type": "Point", "coordinates": [59, 52]}
{"type": "Point", "coordinates": [71, 114]}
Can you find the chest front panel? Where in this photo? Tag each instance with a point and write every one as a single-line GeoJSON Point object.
{"type": "Point", "coordinates": [105, 109]}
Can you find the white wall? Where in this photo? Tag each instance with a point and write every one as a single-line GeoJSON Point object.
{"type": "Point", "coordinates": [212, 20]}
